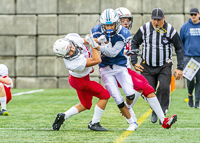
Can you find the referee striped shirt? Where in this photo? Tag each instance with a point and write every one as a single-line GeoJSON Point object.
{"type": "Point", "coordinates": [157, 46]}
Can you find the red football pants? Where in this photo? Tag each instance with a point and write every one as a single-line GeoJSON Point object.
{"type": "Point", "coordinates": [86, 89]}
{"type": "Point", "coordinates": [8, 94]}
{"type": "Point", "coordinates": [140, 83]}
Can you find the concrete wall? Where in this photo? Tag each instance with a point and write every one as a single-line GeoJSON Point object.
{"type": "Point", "coordinates": [28, 29]}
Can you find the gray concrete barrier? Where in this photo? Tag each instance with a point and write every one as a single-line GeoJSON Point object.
{"type": "Point", "coordinates": [28, 29]}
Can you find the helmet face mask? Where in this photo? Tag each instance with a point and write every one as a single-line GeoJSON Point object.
{"type": "Point", "coordinates": [125, 13]}
{"type": "Point", "coordinates": [109, 17]}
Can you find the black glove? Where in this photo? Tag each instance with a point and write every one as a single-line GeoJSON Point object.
{"type": "Point", "coordinates": [133, 52]}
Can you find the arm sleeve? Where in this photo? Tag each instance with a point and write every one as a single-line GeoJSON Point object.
{"type": "Point", "coordinates": [135, 43]}
{"type": "Point", "coordinates": [112, 51]}
{"type": "Point", "coordinates": [182, 35]}
{"type": "Point", "coordinates": [176, 40]}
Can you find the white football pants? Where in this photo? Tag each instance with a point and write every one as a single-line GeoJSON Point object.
{"type": "Point", "coordinates": [110, 75]}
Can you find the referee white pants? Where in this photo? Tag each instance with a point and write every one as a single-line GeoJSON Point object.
{"type": "Point", "coordinates": [110, 76]}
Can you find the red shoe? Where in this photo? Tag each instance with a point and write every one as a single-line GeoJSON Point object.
{"type": "Point", "coordinates": [169, 121]}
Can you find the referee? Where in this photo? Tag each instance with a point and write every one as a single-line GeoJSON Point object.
{"type": "Point", "coordinates": [157, 37]}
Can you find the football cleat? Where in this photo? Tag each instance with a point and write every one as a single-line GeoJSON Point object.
{"type": "Point", "coordinates": [132, 127]}
{"type": "Point", "coordinates": [190, 101]}
{"type": "Point", "coordinates": [4, 112]}
{"type": "Point", "coordinates": [154, 117]}
{"type": "Point", "coordinates": [160, 120]}
{"type": "Point", "coordinates": [169, 121]}
{"type": "Point", "coordinates": [60, 118]}
{"type": "Point", "coordinates": [96, 127]}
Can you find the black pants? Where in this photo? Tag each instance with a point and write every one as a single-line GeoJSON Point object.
{"type": "Point", "coordinates": [162, 76]}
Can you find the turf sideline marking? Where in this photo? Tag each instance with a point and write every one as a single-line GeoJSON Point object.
{"type": "Point", "coordinates": [28, 92]}
{"type": "Point", "coordinates": [125, 134]}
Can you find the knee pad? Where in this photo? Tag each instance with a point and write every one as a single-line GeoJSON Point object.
{"type": "Point", "coordinates": [131, 97]}
{"type": "Point", "coordinates": [121, 105]}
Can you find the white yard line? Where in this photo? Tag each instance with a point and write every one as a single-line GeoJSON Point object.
{"type": "Point", "coordinates": [28, 92]}
{"type": "Point", "coordinates": [26, 129]}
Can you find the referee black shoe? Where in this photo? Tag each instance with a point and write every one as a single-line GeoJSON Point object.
{"type": "Point", "coordinates": [60, 118]}
{"type": "Point", "coordinates": [190, 101]}
{"type": "Point", "coordinates": [96, 127]}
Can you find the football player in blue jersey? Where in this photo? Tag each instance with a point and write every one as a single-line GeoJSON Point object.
{"type": "Point", "coordinates": [113, 65]}
{"type": "Point", "coordinates": [114, 62]}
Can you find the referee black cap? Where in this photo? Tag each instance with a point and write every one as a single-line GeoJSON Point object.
{"type": "Point", "coordinates": [194, 10]}
{"type": "Point", "coordinates": [157, 13]}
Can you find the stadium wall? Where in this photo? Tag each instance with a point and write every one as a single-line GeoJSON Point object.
{"type": "Point", "coordinates": [28, 29]}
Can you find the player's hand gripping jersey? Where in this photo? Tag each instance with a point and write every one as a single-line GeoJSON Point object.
{"type": "Point", "coordinates": [77, 66]}
{"type": "Point", "coordinates": [114, 56]}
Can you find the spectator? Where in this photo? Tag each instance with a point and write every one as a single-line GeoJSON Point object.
{"type": "Point", "coordinates": [190, 36]}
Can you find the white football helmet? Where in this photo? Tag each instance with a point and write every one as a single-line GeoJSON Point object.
{"type": "Point", "coordinates": [109, 16]}
{"type": "Point", "coordinates": [62, 47]}
{"type": "Point", "coordinates": [3, 70]}
{"type": "Point", "coordinates": [125, 13]}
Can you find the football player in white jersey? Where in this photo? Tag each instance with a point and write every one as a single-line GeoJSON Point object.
{"type": "Point", "coordinates": [140, 83]}
{"type": "Point", "coordinates": [5, 85]}
{"type": "Point", "coordinates": [79, 61]}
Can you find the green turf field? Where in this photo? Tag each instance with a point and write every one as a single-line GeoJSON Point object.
{"type": "Point", "coordinates": [31, 116]}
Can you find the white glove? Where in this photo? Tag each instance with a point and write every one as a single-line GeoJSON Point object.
{"type": "Point", "coordinates": [91, 41]}
{"type": "Point", "coordinates": [102, 39]}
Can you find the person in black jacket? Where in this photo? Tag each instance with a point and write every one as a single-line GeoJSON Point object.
{"type": "Point", "coordinates": [157, 37]}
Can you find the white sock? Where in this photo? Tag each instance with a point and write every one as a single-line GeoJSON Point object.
{"type": "Point", "coordinates": [137, 95]}
{"type": "Point", "coordinates": [72, 111]}
{"type": "Point", "coordinates": [3, 102]}
{"type": "Point", "coordinates": [130, 121]}
{"type": "Point", "coordinates": [97, 114]}
{"type": "Point", "coordinates": [155, 105]}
